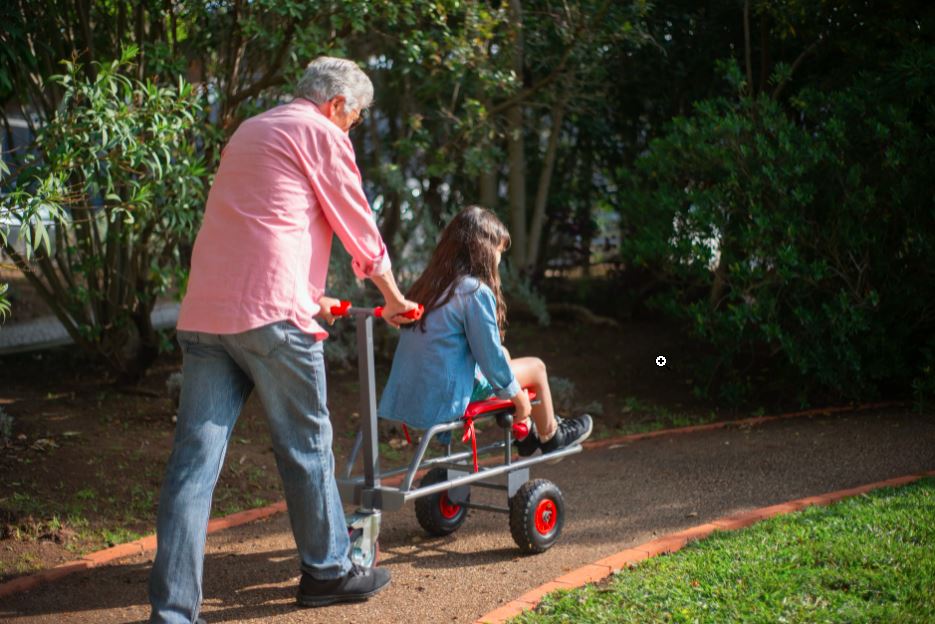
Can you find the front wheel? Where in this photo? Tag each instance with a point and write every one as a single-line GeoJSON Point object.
{"type": "Point", "coordinates": [537, 514]}
{"type": "Point", "coordinates": [435, 512]}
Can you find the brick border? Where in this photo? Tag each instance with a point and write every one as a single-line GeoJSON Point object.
{"type": "Point", "coordinates": [672, 542]}
{"type": "Point", "coordinates": [148, 544]}
{"type": "Point", "coordinates": [136, 547]}
{"type": "Point", "coordinates": [743, 422]}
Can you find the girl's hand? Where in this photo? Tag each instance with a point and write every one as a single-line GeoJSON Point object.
{"type": "Point", "coordinates": [523, 406]}
{"type": "Point", "coordinates": [325, 312]}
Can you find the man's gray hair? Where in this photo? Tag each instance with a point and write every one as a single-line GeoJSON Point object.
{"type": "Point", "coordinates": [327, 77]}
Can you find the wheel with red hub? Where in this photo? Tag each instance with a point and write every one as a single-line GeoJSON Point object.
{"type": "Point", "coordinates": [436, 513]}
{"type": "Point", "coordinates": [537, 514]}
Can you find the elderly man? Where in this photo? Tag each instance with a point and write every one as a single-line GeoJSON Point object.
{"type": "Point", "coordinates": [286, 183]}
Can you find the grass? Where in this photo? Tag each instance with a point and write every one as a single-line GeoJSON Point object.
{"type": "Point", "coordinates": [866, 559]}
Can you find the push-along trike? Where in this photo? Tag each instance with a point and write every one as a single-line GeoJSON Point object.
{"type": "Point", "coordinates": [443, 495]}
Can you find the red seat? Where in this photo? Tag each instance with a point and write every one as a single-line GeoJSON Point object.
{"type": "Point", "coordinates": [477, 408]}
{"type": "Point", "coordinates": [486, 406]}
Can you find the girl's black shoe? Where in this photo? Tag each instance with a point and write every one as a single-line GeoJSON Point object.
{"type": "Point", "coordinates": [570, 431]}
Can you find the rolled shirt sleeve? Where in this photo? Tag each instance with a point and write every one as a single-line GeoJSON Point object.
{"type": "Point", "coordinates": [338, 188]}
{"type": "Point", "coordinates": [483, 335]}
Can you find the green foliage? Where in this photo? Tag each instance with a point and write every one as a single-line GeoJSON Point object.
{"type": "Point", "coordinates": [563, 394]}
{"type": "Point", "coordinates": [111, 190]}
{"type": "Point", "coordinates": [866, 559]}
{"type": "Point", "coordinates": [521, 293]}
{"type": "Point", "coordinates": [805, 234]}
{"type": "Point", "coordinates": [4, 234]}
{"type": "Point", "coordinates": [4, 302]}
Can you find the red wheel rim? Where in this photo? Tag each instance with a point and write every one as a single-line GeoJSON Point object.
{"type": "Point", "coordinates": [447, 509]}
{"type": "Point", "coordinates": [546, 516]}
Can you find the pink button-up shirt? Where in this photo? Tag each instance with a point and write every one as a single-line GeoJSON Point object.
{"type": "Point", "coordinates": [287, 181]}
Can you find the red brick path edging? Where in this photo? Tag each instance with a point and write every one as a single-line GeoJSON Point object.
{"type": "Point", "coordinates": [136, 547]}
{"type": "Point", "coordinates": [743, 422]}
{"type": "Point", "coordinates": [148, 544]}
{"type": "Point", "coordinates": [672, 542]}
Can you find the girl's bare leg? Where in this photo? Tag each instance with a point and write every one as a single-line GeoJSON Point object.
{"type": "Point", "coordinates": [530, 372]}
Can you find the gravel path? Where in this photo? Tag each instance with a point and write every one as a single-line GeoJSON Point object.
{"type": "Point", "coordinates": [616, 498]}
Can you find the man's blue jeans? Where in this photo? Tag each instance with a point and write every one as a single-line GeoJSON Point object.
{"type": "Point", "coordinates": [219, 371]}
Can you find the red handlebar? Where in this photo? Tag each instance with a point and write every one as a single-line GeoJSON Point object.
{"type": "Point", "coordinates": [415, 315]}
{"type": "Point", "coordinates": [342, 310]}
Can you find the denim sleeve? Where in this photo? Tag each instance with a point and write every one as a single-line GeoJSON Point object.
{"type": "Point", "coordinates": [483, 335]}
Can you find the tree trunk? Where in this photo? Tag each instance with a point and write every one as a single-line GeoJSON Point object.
{"type": "Point", "coordinates": [515, 154]}
{"type": "Point", "coordinates": [488, 181]}
{"type": "Point", "coordinates": [488, 188]}
{"type": "Point", "coordinates": [748, 63]}
{"type": "Point", "coordinates": [545, 180]}
{"type": "Point", "coordinates": [433, 199]}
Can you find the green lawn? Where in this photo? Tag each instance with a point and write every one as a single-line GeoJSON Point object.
{"type": "Point", "coordinates": [865, 559]}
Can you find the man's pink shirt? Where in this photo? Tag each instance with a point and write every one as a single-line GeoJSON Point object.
{"type": "Point", "coordinates": [287, 182]}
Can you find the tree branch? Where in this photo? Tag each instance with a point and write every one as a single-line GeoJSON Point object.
{"type": "Point", "coordinates": [795, 65]}
{"type": "Point", "coordinates": [746, 45]}
{"type": "Point", "coordinates": [48, 296]}
{"type": "Point", "coordinates": [271, 78]}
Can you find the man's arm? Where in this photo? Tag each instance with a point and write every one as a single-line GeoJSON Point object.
{"type": "Point", "coordinates": [396, 304]}
{"type": "Point", "coordinates": [345, 207]}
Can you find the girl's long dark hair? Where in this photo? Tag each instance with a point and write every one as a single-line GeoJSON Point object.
{"type": "Point", "coordinates": [467, 247]}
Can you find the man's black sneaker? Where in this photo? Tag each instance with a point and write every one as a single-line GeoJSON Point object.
{"type": "Point", "coordinates": [530, 444]}
{"type": "Point", "coordinates": [570, 432]}
{"type": "Point", "coordinates": [358, 584]}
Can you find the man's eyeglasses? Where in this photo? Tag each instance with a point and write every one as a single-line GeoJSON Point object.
{"type": "Point", "coordinates": [361, 115]}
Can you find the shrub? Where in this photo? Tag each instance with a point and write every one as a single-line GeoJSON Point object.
{"type": "Point", "coordinates": [111, 188]}
{"type": "Point", "coordinates": [806, 234]}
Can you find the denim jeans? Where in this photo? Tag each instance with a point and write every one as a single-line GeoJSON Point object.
{"type": "Point", "coordinates": [219, 371]}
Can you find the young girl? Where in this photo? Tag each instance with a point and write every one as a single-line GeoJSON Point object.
{"type": "Point", "coordinates": [454, 353]}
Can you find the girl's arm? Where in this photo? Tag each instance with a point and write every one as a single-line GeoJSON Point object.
{"type": "Point", "coordinates": [483, 336]}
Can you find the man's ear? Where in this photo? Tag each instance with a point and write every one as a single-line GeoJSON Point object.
{"type": "Point", "coordinates": [339, 104]}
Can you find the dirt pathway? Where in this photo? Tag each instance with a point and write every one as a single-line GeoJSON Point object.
{"type": "Point", "coordinates": [616, 497]}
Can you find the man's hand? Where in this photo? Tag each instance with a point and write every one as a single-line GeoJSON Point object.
{"type": "Point", "coordinates": [392, 311]}
{"type": "Point", "coordinates": [522, 404]}
{"type": "Point", "coordinates": [325, 312]}
{"type": "Point", "coordinates": [395, 304]}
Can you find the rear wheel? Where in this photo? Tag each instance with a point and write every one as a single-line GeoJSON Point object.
{"type": "Point", "coordinates": [435, 512]}
{"type": "Point", "coordinates": [537, 514]}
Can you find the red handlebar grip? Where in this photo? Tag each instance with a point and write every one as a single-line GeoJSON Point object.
{"type": "Point", "coordinates": [340, 310]}
{"type": "Point", "coordinates": [415, 315]}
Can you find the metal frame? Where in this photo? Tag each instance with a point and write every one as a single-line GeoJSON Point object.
{"type": "Point", "coordinates": [367, 492]}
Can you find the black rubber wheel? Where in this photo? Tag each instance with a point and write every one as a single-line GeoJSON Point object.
{"type": "Point", "coordinates": [435, 513]}
{"type": "Point", "coordinates": [537, 514]}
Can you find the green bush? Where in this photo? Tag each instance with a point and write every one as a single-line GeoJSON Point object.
{"type": "Point", "coordinates": [4, 302]}
{"type": "Point", "coordinates": [111, 188]}
{"type": "Point", "coordinates": [803, 232]}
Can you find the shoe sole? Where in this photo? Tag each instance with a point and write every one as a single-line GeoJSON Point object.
{"type": "Point", "coordinates": [324, 601]}
{"type": "Point", "coordinates": [584, 436]}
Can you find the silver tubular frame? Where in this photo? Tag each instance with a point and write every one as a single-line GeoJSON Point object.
{"type": "Point", "coordinates": [367, 492]}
